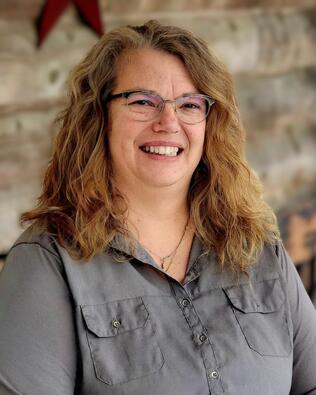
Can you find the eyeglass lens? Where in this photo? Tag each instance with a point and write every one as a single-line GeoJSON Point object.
{"type": "Point", "coordinates": [191, 108]}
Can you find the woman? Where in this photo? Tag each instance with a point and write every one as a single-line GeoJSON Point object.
{"type": "Point", "coordinates": [153, 266]}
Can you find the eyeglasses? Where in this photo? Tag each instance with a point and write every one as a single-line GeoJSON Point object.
{"type": "Point", "coordinates": [147, 105]}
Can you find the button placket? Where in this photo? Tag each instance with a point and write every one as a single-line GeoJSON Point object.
{"type": "Point", "coordinates": [200, 336]}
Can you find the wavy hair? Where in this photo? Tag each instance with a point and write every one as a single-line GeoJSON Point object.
{"type": "Point", "coordinates": [79, 204]}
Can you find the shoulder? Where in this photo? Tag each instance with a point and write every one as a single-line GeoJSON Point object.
{"type": "Point", "coordinates": [267, 264]}
{"type": "Point", "coordinates": [35, 249]}
{"type": "Point", "coordinates": [274, 258]}
{"type": "Point", "coordinates": [37, 238]}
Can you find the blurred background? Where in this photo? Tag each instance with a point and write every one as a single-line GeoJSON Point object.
{"type": "Point", "coordinates": [268, 45]}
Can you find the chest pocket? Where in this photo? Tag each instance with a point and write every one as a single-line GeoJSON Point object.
{"type": "Point", "coordinates": [121, 340]}
{"type": "Point", "coordinates": [261, 313]}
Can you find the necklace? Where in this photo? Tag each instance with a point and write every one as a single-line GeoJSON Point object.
{"type": "Point", "coordinates": [164, 259]}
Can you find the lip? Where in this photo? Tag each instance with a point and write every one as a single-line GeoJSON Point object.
{"type": "Point", "coordinates": [161, 143]}
{"type": "Point", "coordinates": [157, 157]}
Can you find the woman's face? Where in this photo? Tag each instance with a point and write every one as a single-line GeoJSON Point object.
{"type": "Point", "coordinates": [153, 70]}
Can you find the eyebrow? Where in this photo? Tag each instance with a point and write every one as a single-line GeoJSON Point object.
{"type": "Point", "coordinates": [156, 93]}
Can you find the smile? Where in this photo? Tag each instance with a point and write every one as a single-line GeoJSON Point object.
{"type": "Point", "coordinates": [162, 150]}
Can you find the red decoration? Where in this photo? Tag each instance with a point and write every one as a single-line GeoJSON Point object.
{"type": "Point", "coordinates": [52, 9]}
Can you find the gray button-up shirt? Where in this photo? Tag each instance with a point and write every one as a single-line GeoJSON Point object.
{"type": "Point", "coordinates": [122, 326]}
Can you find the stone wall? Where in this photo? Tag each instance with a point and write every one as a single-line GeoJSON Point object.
{"type": "Point", "coordinates": [268, 45]}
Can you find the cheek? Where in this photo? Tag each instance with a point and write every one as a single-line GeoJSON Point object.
{"type": "Point", "coordinates": [122, 136]}
{"type": "Point", "coordinates": [109, 134]}
{"type": "Point", "coordinates": [196, 138]}
{"type": "Point", "coordinates": [109, 117]}
{"type": "Point", "coordinates": [114, 130]}
{"type": "Point", "coordinates": [114, 140]}
{"type": "Point", "coordinates": [115, 123]}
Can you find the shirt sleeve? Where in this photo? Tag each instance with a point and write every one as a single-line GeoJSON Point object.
{"type": "Point", "coordinates": [37, 335]}
{"type": "Point", "coordinates": [304, 329]}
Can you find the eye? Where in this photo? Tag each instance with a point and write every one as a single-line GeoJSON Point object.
{"type": "Point", "coordinates": [191, 106]}
{"type": "Point", "coordinates": [143, 100]}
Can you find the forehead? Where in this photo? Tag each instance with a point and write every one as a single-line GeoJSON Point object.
{"type": "Point", "coordinates": [153, 69]}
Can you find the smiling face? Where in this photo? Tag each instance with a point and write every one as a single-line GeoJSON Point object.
{"type": "Point", "coordinates": [163, 151]}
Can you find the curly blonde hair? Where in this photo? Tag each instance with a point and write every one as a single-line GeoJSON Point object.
{"type": "Point", "coordinates": [79, 202]}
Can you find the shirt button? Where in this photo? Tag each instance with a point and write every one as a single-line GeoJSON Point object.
{"type": "Point", "coordinates": [185, 302]}
{"type": "Point", "coordinates": [213, 374]}
{"type": "Point", "coordinates": [116, 323]}
{"type": "Point", "coordinates": [202, 338]}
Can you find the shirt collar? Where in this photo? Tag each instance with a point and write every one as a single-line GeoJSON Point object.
{"type": "Point", "coordinates": [122, 245]}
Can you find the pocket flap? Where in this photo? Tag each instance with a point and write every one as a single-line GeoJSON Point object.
{"type": "Point", "coordinates": [260, 297]}
{"type": "Point", "coordinates": [112, 318]}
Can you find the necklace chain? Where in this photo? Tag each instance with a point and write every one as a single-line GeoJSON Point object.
{"type": "Point", "coordinates": [172, 254]}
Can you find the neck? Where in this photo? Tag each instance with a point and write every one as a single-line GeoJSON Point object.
{"type": "Point", "coordinates": [159, 219]}
{"type": "Point", "coordinates": [155, 208]}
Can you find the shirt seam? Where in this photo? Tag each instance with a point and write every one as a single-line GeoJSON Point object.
{"type": "Point", "coordinates": [35, 243]}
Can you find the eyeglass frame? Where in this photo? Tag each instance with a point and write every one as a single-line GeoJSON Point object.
{"type": "Point", "coordinates": [210, 100]}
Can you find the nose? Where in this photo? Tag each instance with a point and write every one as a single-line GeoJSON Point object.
{"type": "Point", "coordinates": [167, 121]}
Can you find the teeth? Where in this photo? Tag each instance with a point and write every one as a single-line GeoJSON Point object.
{"type": "Point", "coordinates": [161, 150]}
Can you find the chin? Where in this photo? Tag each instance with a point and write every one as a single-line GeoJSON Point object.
{"type": "Point", "coordinates": [163, 182]}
